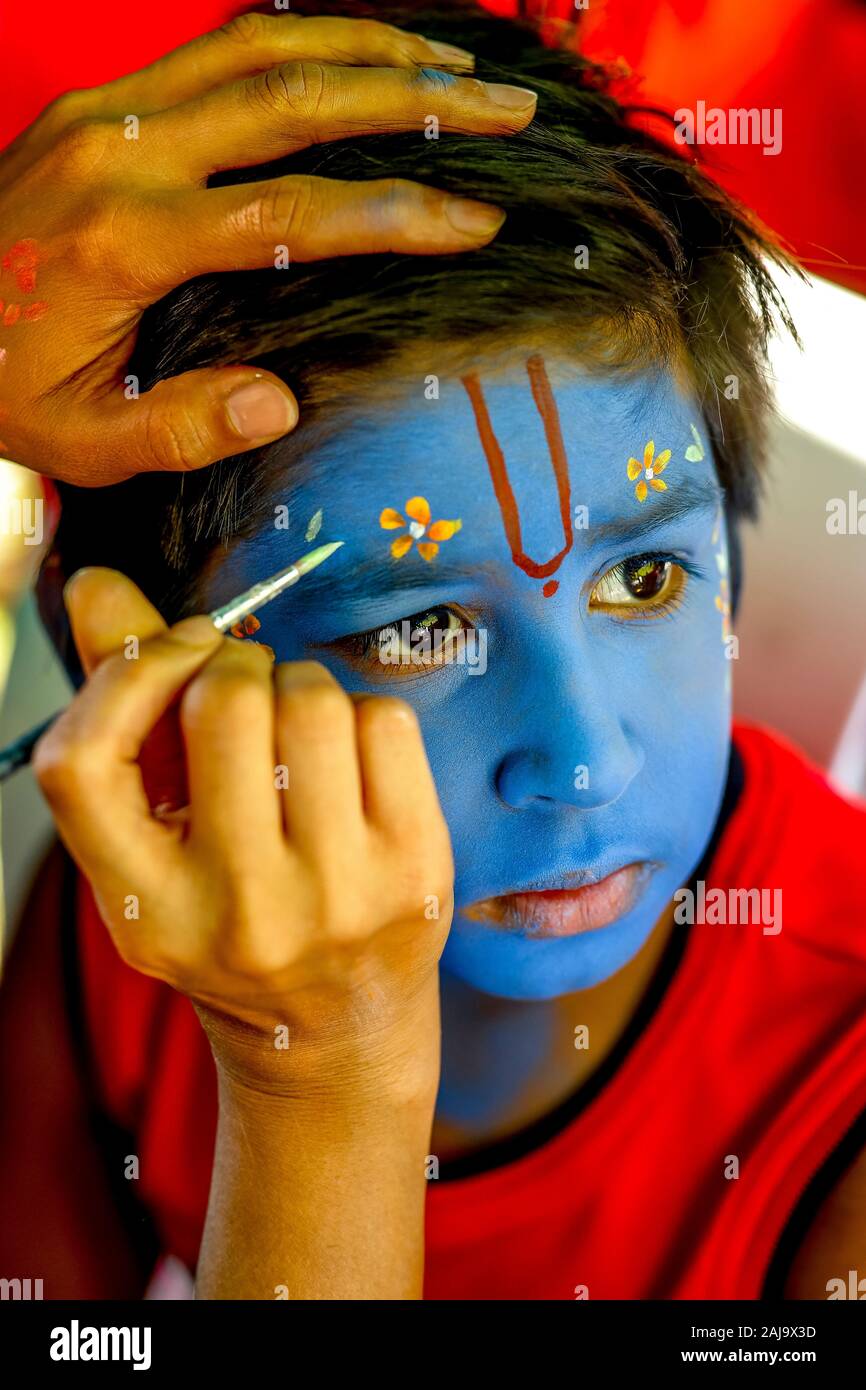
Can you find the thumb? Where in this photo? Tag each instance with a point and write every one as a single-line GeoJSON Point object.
{"type": "Point", "coordinates": [186, 422]}
{"type": "Point", "coordinates": [105, 610]}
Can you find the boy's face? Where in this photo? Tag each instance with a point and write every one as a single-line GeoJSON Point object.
{"type": "Point", "coordinates": [579, 731]}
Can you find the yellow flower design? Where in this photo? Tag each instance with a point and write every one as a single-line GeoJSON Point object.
{"type": "Point", "coordinates": [419, 524]}
{"type": "Point", "coordinates": [650, 468]}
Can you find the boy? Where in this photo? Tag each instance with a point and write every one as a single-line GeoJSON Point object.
{"type": "Point", "coordinates": [528, 444]}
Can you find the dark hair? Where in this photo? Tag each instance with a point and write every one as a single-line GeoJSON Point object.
{"type": "Point", "coordinates": [675, 275]}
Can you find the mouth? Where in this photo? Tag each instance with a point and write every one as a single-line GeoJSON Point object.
{"type": "Point", "coordinates": [562, 912]}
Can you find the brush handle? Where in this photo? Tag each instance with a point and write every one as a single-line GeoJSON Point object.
{"type": "Point", "coordinates": [162, 760]}
{"type": "Point", "coordinates": [19, 753]}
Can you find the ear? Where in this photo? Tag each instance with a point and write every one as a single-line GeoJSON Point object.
{"type": "Point", "coordinates": [105, 610]}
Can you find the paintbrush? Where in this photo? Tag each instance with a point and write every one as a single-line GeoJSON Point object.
{"type": "Point", "coordinates": [19, 753]}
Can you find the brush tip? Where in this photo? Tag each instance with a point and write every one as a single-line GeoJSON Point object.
{"type": "Point", "coordinates": [316, 557]}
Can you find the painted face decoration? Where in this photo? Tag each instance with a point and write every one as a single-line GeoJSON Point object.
{"type": "Point", "coordinates": [590, 747]}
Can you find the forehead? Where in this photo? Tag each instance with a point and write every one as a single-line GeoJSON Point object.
{"type": "Point", "coordinates": [433, 427]}
{"type": "Point", "coordinates": [509, 451]}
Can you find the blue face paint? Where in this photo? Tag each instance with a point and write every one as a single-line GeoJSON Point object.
{"type": "Point", "coordinates": [594, 735]}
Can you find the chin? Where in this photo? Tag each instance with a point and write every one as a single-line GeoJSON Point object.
{"type": "Point", "coordinates": [511, 966]}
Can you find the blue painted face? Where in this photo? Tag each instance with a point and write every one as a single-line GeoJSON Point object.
{"type": "Point", "coordinates": [579, 732]}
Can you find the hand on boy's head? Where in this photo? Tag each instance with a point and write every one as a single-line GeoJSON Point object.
{"type": "Point", "coordinates": [296, 892]}
{"type": "Point", "coordinates": [113, 180]}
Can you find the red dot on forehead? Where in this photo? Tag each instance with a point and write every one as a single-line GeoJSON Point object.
{"type": "Point", "coordinates": [550, 588]}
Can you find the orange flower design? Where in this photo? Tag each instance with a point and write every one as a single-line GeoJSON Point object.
{"type": "Point", "coordinates": [246, 627]}
{"type": "Point", "coordinates": [650, 468]}
{"type": "Point", "coordinates": [419, 525]}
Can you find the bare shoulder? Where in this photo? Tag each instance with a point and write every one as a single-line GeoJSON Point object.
{"type": "Point", "coordinates": [831, 1262]}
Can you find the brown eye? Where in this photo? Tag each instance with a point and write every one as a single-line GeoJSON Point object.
{"type": "Point", "coordinates": [641, 586]}
{"type": "Point", "coordinates": [413, 646]}
{"type": "Point", "coordinates": [648, 578]}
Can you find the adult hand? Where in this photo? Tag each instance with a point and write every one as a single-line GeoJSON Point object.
{"type": "Point", "coordinates": [95, 225]}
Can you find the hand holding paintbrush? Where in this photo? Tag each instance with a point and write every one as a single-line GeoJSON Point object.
{"type": "Point", "coordinates": [298, 899]}
{"type": "Point", "coordinates": [292, 909]}
{"type": "Point", "coordinates": [19, 753]}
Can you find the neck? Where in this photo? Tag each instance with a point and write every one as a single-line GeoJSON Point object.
{"type": "Point", "coordinates": [506, 1063]}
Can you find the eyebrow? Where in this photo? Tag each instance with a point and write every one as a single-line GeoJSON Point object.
{"type": "Point", "coordinates": [381, 574]}
{"type": "Point", "coordinates": [691, 498]}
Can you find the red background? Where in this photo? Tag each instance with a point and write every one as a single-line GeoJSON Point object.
{"type": "Point", "coordinates": [807, 57]}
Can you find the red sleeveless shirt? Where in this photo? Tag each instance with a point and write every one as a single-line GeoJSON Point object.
{"type": "Point", "coordinates": [755, 1052]}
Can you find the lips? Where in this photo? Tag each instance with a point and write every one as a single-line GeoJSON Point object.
{"type": "Point", "coordinates": [562, 912]}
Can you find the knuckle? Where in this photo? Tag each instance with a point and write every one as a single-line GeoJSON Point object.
{"type": "Point", "coordinates": [101, 230]}
{"type": "Point", "coordinates": [65, 768]}
{"type": "Point", "coordinates": [70, 106]}
{"type": "Point", "coordinates": [284, 209]}
{"type": "Point", "coordinates": [225, 692]}
{"type": "Point", "coordinates": [430, 82]}
{"type": "Point", "coordinates": [388, 712]}
{"type": "Point", "coordinates": [86, 144]}
{"type": "Point", "coordinates": [49, 765]}
{"type": "Point", "coordinates": [173, 442]}
{"type": "Point", "coordinates": [298, 89]}
{"type": "Point", "coordinates": [248, 29]}
{"type": "Point", "coordinates": [372, 31]}
{"type": "Point", "coordinates": [315, 88]}
{"type": "Point", "coordinates": [315, 707]}
{"type": "Point", "coordinates": [397, 194]}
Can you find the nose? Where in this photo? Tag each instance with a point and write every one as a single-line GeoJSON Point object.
{"type": "Point", "coordinates": [579, 742]}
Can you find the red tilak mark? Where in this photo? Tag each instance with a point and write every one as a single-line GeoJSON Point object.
{"type": "Point", "coordinates": [35, 311]}
{"type": "Point", "coordinates": [12, 315]}
{"type": "Point", "coordinates": [546, 406]}
{"type": "Point", "coordinates": [22, 259]}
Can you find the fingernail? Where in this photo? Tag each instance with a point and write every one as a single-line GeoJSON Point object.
{"type": "Point", "coordinates": [453, 57]}
{"type": "Point", "coordinates": [195, 632]}
{"type": "Point", "coordinates": [261, 410]}
{"type": "Point", "coordinates": [473, 219]}
{"type": "Point", "coordinates": [514, 98]}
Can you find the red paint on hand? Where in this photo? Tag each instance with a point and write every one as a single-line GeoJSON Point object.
{"type": "Point", "coordinates": [22, 260]}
